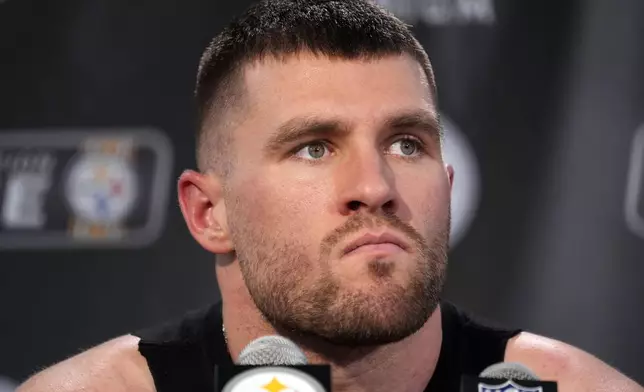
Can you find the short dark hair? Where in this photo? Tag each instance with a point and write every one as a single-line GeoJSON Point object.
{"type": "Point", "coordinates": [346, 29]}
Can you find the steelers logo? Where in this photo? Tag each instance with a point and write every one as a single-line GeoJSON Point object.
{"type": "Point", "coordinates": [273, 379]}
{"type": "Point", "coordinates": [101, 189]}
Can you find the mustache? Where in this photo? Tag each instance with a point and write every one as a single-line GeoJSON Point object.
{"type": "Point", "coordinates": [361, 221]}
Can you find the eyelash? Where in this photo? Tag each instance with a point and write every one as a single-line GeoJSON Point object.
{"type": "Point", "coordinates": [422, 148]}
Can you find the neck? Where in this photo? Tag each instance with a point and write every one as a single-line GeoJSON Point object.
{"type": "Point", "coordinates": [404, 366]}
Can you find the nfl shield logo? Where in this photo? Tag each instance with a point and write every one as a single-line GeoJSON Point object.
{"type": "Point", "coordinates": [508, 386]}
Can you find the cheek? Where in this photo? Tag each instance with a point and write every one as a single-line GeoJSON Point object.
{"type": "Point", "coordinates": [281, 206]}
{"type": "Point", "coordinates": [429, 203]}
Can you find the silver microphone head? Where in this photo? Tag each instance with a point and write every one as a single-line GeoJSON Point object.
{"type": "Point", "coordinates": [272, 350]}
{"type": "Point", "coordinates": [509, 371]}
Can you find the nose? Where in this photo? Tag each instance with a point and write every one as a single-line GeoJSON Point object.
{"type": "Point", "coordinates": [366, 183]}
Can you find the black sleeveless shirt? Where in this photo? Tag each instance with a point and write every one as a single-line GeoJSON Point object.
{"type": "Point", "coordinates": [182, 355]}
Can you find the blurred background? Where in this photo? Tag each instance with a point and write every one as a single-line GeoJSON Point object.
{"type": "Point", "coordinates": [543, 105]}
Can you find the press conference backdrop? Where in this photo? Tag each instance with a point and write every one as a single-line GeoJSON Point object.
{"type": "Point", "coordinates": [544, 110]}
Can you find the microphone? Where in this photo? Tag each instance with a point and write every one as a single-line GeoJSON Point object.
{"type": "Point", "coordinates": [272, 350]}
{"type": "Point", "coordinates": [510, 371]}
{"type": "Point", "coordinates": [506, 377]}
{"type": "Point", "coordinates": [272, 363]}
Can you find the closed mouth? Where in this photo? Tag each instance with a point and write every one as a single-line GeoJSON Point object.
{"type": "Point", "coordinates": [375, 239]}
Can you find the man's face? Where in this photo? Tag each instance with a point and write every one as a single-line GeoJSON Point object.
{"type": "Point", "coordinates": [331, 151]}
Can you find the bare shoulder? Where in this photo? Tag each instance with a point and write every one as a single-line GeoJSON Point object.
{"type": "Point", "coordinates": [115, 366]}
{"type": "Point", "coordinates": [572, 368]}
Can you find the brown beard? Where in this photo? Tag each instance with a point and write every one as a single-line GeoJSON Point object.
{"type": "Point", "coordinates": [273, 273]}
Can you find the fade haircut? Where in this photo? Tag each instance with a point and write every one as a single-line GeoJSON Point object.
{"type": "Point", "coordinates": [344, 29]}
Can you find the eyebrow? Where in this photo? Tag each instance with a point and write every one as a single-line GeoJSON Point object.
{"type": "Point", "coordinates": [315, 127]}
{"type": "Point", "coordinates": [417, 119]}
{"type": "Point", "coordinates": [304, 127]}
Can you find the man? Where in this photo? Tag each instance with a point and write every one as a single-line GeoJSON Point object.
{"type": "Point", "coordinates": [323, 192]}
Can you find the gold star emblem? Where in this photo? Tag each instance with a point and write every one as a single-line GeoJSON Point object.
{"type": "Point", "coordinates": [274, 386]}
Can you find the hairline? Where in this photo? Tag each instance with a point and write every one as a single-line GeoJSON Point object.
{"type": "Point", "coordinates": [229, 96]}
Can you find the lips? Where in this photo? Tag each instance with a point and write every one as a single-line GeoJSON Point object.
{"type": "Point", "coordinates": [375, 239]}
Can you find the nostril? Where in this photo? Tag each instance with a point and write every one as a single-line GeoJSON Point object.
{"type": "Point", "coordinates": [354, 205]}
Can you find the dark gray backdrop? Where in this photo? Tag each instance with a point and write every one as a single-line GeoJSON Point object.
{"type": "Point", "coordinates": [548, 94]}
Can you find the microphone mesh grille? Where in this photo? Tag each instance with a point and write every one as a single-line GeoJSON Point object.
{"type": "Point", "coordinates": [272, 350]}
{"type": "Point", "coordinates": [509, 371]}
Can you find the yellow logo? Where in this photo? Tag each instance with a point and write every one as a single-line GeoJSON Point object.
{"type": "Point", "coordinates": [275, 386]}
{"type": "Point", "coordinates": [273, 379]}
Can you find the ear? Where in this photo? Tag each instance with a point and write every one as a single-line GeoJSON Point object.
{"type": "Point", "coordinates": [450, 175]}
{"type": "Point", "coordinates": [204, 210]}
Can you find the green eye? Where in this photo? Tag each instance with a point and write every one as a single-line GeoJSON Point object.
{"type": "Point", "coordinates": [316, 150]}
{"type": "Point", "coordinates": [312, 151]}
{"type": "Point", "coordinates": [407, 147]}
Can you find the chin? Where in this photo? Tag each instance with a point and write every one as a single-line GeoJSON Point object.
{"type": "Point", "coordinates": [376, 331]}
{"type": "Point", "coordinates": [376, 274]}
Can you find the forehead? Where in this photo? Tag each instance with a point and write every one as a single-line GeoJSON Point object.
{"type": "Point", "coordinates": [355, 89]}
